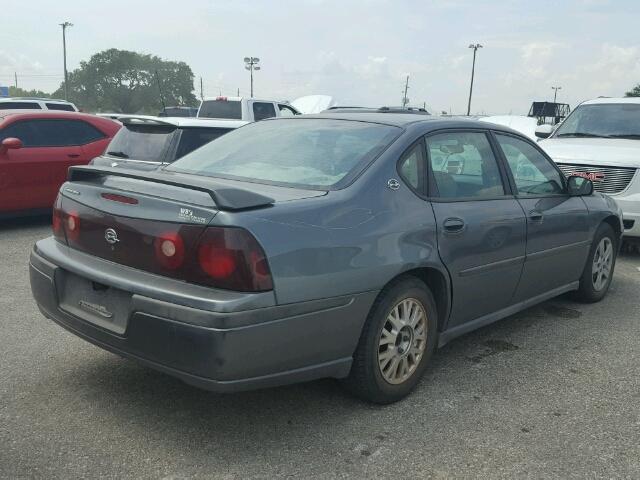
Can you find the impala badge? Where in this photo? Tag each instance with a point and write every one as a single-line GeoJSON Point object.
{"type": "Point", "coordinates": [111, 236]}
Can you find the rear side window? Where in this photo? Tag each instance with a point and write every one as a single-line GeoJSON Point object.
{"type": "Point", "coordinates": [192, 138]}
{"type": "Point", "coordinates": [463, 165]}
{"type": "Point", "coordinates": [412, 167]}
{"type": "Point", "coordinates": [262, 110]}
{"type": "Point", "coordinates": [231, 109]}
{"type": "Point", "coordinates": [60, 106]}
{"type": "Point", "coordinates": [19, 106]}
{"type": "Point", "coordinates": [53, 133]}
{"type": "Point", "coordinates": [307, 152]}
{"type": "Point", "coordinates": [142, 142]}
{"type": "Point", "coordinates": [532, 172]}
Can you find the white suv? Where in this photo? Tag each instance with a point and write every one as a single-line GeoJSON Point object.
{"type": "Point", "coordinates": [29, 103]}
{"type": "Point", "coordinates": [601, 139]}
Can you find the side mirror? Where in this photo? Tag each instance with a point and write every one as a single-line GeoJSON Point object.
{"type": "Point", "coordinates": [579, 186]}
{"type": "Point", "coordinates": [544, 131]}
{"type": "Point", "coordinates": [10, 144]}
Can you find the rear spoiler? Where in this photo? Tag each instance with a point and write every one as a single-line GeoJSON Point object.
{"type": "Point", "coordinates": [224, 196]}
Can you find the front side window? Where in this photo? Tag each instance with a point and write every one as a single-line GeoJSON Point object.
{"type": "Point", "coordinates": [262, 110]}
{"type": "Point", "coordinates": [21, 130]}
{"type": "Point", "coordinates": [612, 120]}
{"type": "Point", "coordinates": [463, 165]}
{"type": "Point", "coordinates": [532, 172]}
{"type": "Point", "coordinates": [291, 152]}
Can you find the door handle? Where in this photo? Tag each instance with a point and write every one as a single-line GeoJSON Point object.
{"type": "Point", "coordinates": [536, 216]}
{"type": "Point", "coordinates": [73, 155]}
{"type": "Point", "coordinates": [453, 225]}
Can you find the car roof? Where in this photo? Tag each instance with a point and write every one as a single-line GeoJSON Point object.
{"type": "Point", "coordinates": [406, 119]}
{"type": "Point", "coordinates": [238, 99]}
{"type": "Point", "coordinates": [181, 122]}
{"type": "Point", "coordinates": [603, 100]}
{"type": "Point", "coordinates": [57, 114]}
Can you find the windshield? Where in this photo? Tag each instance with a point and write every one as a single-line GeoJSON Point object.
{"type": "Point", "coordinates": [303, 152]}
{"type": "Point", "coordinates": [621, 120]}
{"type": "Point", "coordinates": [230, 109]}
{"type": "Point", "coordinates": [142, 142]}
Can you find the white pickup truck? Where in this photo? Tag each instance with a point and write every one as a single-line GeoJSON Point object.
{"type": "Point", "coordinates": [245, 109]}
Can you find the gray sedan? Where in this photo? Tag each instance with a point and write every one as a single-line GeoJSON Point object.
{"type": "Point", "coordinates": [339, 245]}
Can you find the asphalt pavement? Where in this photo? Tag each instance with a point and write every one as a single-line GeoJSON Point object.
{"type": "Point", "coordinates": [552, 392]}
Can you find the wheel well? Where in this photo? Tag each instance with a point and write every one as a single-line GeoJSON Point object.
{"type": "Point", "coordinates": [439, 287]}
{"type": "Point", "coordinates": [615, 224]}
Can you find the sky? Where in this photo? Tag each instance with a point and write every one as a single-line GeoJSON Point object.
{"type": "Point", "coordinates": [359, 52]}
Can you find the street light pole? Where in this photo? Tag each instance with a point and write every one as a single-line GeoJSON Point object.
{"type": "Point", "coordinates": [473, 69]}
{"type": "Point", "coordinates": [555, 93]}
{"type": "Point", "coordinates": [251, 64]}
{"type": "Point", "coordinates": [64, 26]}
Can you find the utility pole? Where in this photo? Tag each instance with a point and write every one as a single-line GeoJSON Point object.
{"type": "Point", "coordinates": [15, 76]}
{"type": "Point", "coordinates": [555, 93]}
{"type": "Point", "coordinates": [251, 64]}
{"type": "Point", "coordinates": [64, 26]}
{"type": "Point", "coordinates": [405, 100]}
{"type": "Point", "coordinates": [238, 91]}
{"type": "Point", "coordinates": [473, 69]}
{"type": "Point", "coordinates": [201, 90]}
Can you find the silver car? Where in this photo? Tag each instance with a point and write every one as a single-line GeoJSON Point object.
{"type": "Point", "coordinates": [340, 245]}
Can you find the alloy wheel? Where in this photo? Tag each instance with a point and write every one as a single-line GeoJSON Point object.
{"type": "Point", "coordinates": [402, 341]}
{"type": "Point", "coordinates": [602, 263]}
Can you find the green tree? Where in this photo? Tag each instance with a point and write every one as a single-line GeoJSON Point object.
{"type": "Point", "coordinates": [125, 82]}
{"type": "Point", "coordinates": [21, 92]}
{"type": "Point", "coordinates": [635, 92]}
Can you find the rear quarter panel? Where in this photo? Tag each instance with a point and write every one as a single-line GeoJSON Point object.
{"type": "Point", "coordinates": [348, 241]}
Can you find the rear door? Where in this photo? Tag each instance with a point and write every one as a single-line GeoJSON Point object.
{"type": "Point", "coordinates": [557, 227]}
{"type": "Point", "coordinates": [480, 225]}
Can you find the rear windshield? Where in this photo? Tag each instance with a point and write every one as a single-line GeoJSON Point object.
{"type": "Point", "coordinates": [613, 120]}
{"type": "Point", "coordinates": [221, 109]}
{"type": "Point", "coordinates": [142, 142]}
{"type": "Point", "coordinates": [293, 152]}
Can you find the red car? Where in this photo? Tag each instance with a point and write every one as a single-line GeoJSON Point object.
{"type": "Point", "coordinates": [37, 148]}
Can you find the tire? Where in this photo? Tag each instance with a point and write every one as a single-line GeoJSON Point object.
{"type": "Point", "coordinates": [590, 289]}
{"type": "Point", "coordinates": [412, 347]}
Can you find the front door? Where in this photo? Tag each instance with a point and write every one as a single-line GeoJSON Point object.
{"type": "Point", "coordinates": [557, 224]}
{"type": "Point", "coordinates": [481, 227]}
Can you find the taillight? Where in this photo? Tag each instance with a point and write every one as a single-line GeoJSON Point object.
{"type": "Point", "coordinates": [233, 260]}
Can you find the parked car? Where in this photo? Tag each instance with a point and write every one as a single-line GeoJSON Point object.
{"type": "Point", "coordinates": [146, 142]}
{"type": "Point", "coordinates": [601, 140]}
{"type": "Point", "coordinates": [335, 245]}
{"type": "Point", "coordinates": [32, 103]}
{"type": "Point", "coordinates": [37, 148]}
{"type": "Point", "coordinates": [242, 108]}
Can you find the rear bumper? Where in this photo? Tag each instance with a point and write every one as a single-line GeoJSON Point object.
{"type": "Point", "coordinates": [220, 342]}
